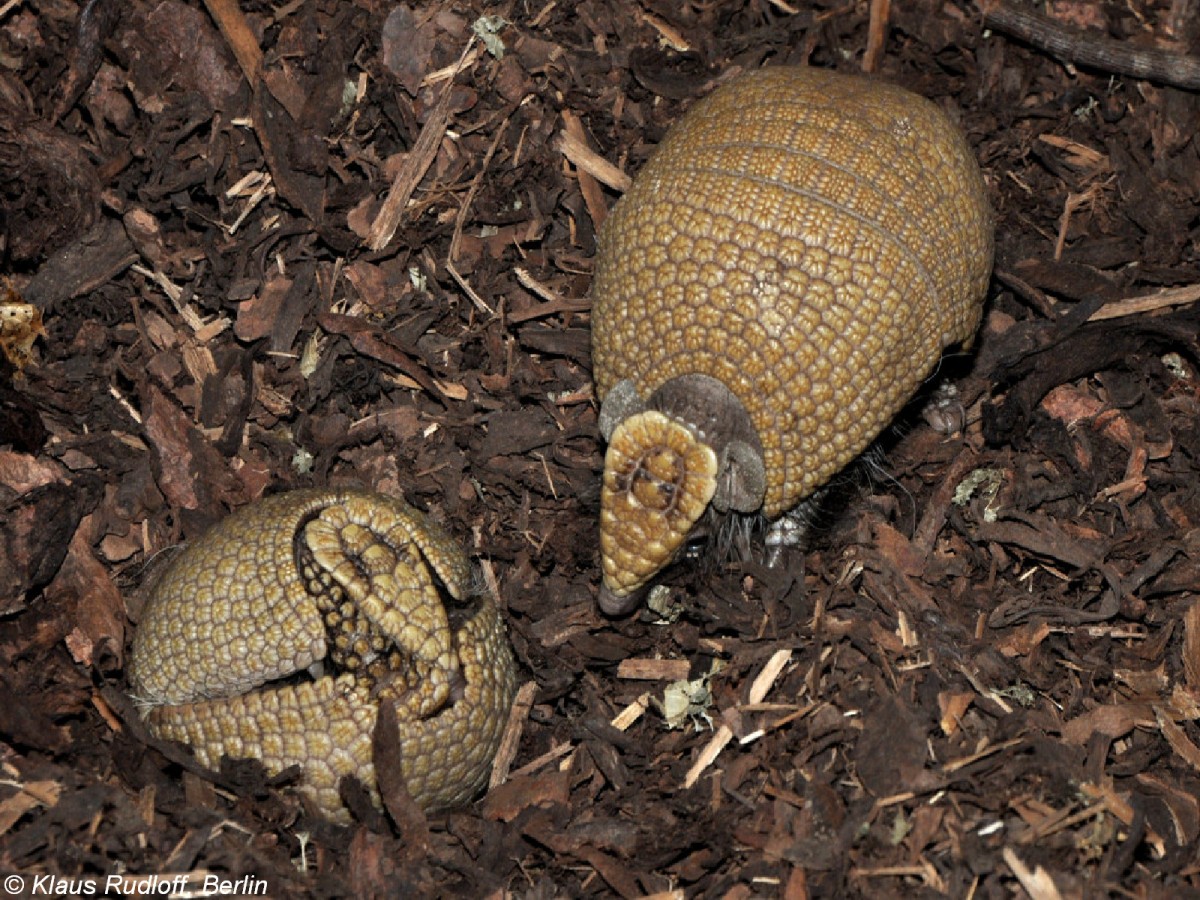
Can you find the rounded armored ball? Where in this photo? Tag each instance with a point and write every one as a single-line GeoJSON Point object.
{"type": "Point", "coordinates": [781, 277]}
{"type": "Point", "coordinates": [348, 585]}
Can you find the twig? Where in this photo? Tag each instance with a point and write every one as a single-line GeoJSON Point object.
{"type": "Point", "coordinates": [758, 690]}
{"type": "Point", "coordinates": [1092, 50]}
{"type": "Point", "coordinates": [1131, 306]}
{"type": "Point", "coordinates": [667, 34]}
{"type": "Point", "coordinates": [472, 294]}
{"type": "Point", "coordinates": [461, 218]}
{"type": "Point", "coordinates": [1037, 882]}
{"type": "Point", "coordinates": [549, 756]}
{"type": "Point", "coordinates": [587, 159]}
{"type": "Point", "coordinates": [593, 197]}
{"type": "Point", "coordinates": [417, 163]}
{"type": "Point", "coordinates": [876, 34]}
{"type": "Point", "coordinates": [555, 302]}
{"type": "Point", "coordinates": [236, 30]}
{"type": "Point", "coordinates": [1027, 292]}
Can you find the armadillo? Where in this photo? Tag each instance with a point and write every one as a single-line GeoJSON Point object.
{"type": "Point", "coordinates": [279, 633]}
{"type": "Point", "coordinates": [780, 279]}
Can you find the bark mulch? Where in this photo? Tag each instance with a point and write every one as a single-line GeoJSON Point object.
{"type": "Point", "coordinates": [329, 242]}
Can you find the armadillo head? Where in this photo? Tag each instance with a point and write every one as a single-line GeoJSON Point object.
{"type": "Point", "coordinates": [665, 465]}
{"type": "Point", "coordinates": [658, 480]}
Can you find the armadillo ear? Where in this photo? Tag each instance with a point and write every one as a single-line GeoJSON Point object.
{"type": "Point", "coordinates": [741, 479]}
{"type": "Point", "coordinates": [619, 404]}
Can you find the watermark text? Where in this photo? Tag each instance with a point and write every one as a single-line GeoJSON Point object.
{"type": "Point", "coordinates": [194, 884]}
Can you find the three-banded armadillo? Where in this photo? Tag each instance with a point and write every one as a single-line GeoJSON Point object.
{"type": "Point", "coordinates": [774, 287]}
{"type": "Point", "coordinates": [350, 580]}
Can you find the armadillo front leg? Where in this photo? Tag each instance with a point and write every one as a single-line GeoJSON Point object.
{"type": "Point", "coordinates": [380, 603]}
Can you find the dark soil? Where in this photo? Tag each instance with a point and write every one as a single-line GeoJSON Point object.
{"type": "Point", "coordinates": [983, 679]}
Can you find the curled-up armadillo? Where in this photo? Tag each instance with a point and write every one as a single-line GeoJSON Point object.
{"type": "Point", "coordinates": [774, 287]}
{"type": "Point", "coordinates": [347, 587]}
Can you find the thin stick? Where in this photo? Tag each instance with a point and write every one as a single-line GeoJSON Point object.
{"type": "Point", "coordinates": [1147, 303]}
{"type": "Point", "coordinates": [236, 30]}
{"type": "Point", "coordinates": [575, 149]}
{"type": "Point", "coordinates": [876, 35]}
{"type": "Point", "coordinates": [1090, 49]}
{"type": "Point", "coordinates": [415, 165]}
{"type": "Point", "coordinates": [758, 690]}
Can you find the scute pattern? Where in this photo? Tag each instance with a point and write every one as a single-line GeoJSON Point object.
{"type": "Point", "coordinates": [812, 240]}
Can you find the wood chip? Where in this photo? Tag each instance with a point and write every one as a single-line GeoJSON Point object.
{"type": "Point", "coordinates": [654, 669]}
{"type": "Point", "coordinates": [758, 691]}
{"type": "Point", "coordinates": [631, 713]}
{"type": "Point", "coordinates": [1037, 882]}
